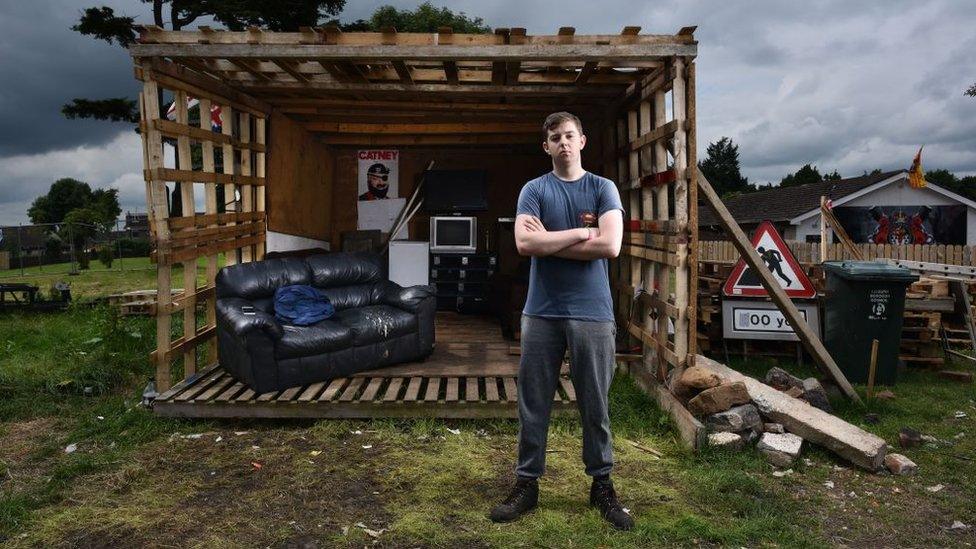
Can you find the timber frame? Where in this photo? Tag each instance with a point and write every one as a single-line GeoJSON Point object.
{"type": "Point", "coordinates": [634, 92]}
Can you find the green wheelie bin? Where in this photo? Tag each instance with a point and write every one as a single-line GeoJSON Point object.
{"type": "Point", "coordinates": [865, 300]}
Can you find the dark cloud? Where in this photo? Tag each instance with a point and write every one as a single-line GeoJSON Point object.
{"type": "Point", "coordinates": [45, 65]}
{"type": "Point", "coordinates": [844, 85]}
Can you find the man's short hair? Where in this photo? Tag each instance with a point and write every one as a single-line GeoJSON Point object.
{"type": "Point", "coordinates": [555, 119]}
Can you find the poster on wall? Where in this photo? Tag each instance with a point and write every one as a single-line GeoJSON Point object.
{"type": "Point", "coordinates": [378, 173]}
{"type": "Point", "coordinates": [379, 214]}
{"type": "Point", "coordinates": [904, 224]}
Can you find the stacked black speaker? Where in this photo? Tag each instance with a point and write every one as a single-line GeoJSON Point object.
{"type": "Point", "coordinates": [461, 280]}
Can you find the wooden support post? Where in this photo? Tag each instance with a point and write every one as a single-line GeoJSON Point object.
{"type": "Point", "coordinates": [823, 230]}
{"type": "Point", "coordinates": [648, 270]}
{"type": "Point", "coordinates": [960, 290]}
{"type": "Point", "coordinates": [633, 205]}
{"type": "Point", "coordinates": [810, 340]}
{"type": "Point", "coordinates": [188, 201]}
{"type": "Point", "coordinates": [247, 191]}
{"type": "Point", "coordinates": [230, 200]}
{"type": "Point", "coordinates": [663, 276]}
{"type": "Point", "coordinates": [260, 130]}
{"type": "Point", "coordinates": [158, 208]}
{"type": "Point", "coordinates": [681, 282]}
{"type": "Point", "coordinates": [872, 368]}
{"type": "Point", "coordinates": [692, 177]}
{"type": "Point", "coordinates": [210, 208]}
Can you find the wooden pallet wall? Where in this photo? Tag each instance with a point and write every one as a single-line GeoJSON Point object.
{"type": "Point", "coordinates": [196, 240]}
{"type": "Point", "coordinates": [651, 156]}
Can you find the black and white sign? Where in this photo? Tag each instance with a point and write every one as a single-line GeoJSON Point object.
{"type": "Point", "coordinates": [760, 319]}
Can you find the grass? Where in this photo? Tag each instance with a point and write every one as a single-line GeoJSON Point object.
{"type": "Point", "coordinates": [138, 480]}
{"type": "Point", "coordinates": [136, 273]}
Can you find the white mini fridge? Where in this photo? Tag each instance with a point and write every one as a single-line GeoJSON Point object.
{"type": "Point", "coordinates": [409, 262]}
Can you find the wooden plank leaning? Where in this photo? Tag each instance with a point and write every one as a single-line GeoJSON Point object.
{"type": "Point", "coordinates": [810, 340]}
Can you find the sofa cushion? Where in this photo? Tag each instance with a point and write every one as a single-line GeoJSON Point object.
{"type": "Point", "coordinates": [345, 269]}
{"type": "Point", "coordinates": [322, 337]}
{"type": "Point", "coordinates": [376, 323]}
{"type": "Point", "coordinates": [348, 297]}
{"type": "Point", "coordinates": [260, 279]}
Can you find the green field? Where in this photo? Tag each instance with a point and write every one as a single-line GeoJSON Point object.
{"type": "Point", "coordinates": [136, 480]}
{"type": "Point", "coordinates": [134, 273]}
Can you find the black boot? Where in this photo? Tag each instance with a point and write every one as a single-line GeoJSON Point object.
{"type": "Point", "coordinates": [522, 499]}
{"type": "Point", "coordinates": [604, 498]}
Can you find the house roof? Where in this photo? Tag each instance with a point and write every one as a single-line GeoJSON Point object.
{"type": "Point", "coordinates": [781, 204]}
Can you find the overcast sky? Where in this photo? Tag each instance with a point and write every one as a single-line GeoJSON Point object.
{"type": "Point", "coordinates": [844, 85]}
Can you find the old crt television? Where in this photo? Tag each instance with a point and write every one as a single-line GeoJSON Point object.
{"type": "Point", "coordinates": [455, 191]}
{"type": "Point", "coordinates": [453, 234]}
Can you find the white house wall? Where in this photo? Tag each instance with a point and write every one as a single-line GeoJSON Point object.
{"type": "Point", "coordinates": [898, 193]}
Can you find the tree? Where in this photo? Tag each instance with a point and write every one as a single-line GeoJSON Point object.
{"type": "Point", "coordinates": [426, 18]}
{"type": "Point", "coordinates": [943, 178]}
{"type": "Point", "coordinates": [102, 23]}
{"type": "Point", "coordinates": [67, 196]}
{"type": "Point", "coordinates": [965, 186]}
{"type": "Point", "coordinates": [832, 176]}
{"type": "Point", "coordinates": [721, 168]}
{"type": "Point", "coordinates": [807, 174]}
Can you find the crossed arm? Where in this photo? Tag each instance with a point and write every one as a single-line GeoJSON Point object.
{"type": "Point", "coordinates": [532, 238]}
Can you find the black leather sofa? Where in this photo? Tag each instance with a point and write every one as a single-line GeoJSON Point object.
{"type": "Point", "coordinates": [377, 322]}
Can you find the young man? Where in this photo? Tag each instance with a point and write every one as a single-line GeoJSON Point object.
{"type": "Point", "coordinates": [570, 222]}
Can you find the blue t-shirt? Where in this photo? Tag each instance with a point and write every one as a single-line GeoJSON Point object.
{"type": "Point", "coordinates": [569, 288]}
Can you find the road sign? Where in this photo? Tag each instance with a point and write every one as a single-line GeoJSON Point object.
{"type": "Point", "coordinates": [778, 258]}
{"type": "Point", "coordinates": [760, 319]}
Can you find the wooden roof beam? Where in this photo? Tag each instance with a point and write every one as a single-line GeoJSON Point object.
{"type": "Point", "coordinates": [445, 36]}
{"type": "Point", "coordinates": [403, 71]}
{"type": "Point", "coordinates": [309, 36]}
{"type": "Point", "coordinates": [333, 70]}
{"type": "Point", "coordinates": [366, 140]}
{"type": "Point", "coordinates": [353, 71]}
{"type": "Point", "coordinates": [331, 33]}
{"type": "Point", "coordinates": [207, 32]}
{"type": "Point", "coordinates": [585, 73]}
{"type": "Point", "coordinates": [376, 105]}
{"type": "Point", "coordinates": [512, 70]}
{"type": "Point", "coordinates": [517, 51]}
{"type": "Point", "coordinates": [451, 71]}
{"type": "Point", "coordinates": [423, 128]}
{"type": "Point", "coordinates": [291, 69]}
{"type": "Point", "coordinates": [528, 90]}
{"type": "Point", "coordinates": [246, 65]}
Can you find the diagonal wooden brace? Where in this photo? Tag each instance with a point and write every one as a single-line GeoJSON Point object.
{"type": "Point", "coordinates": [810, 340]}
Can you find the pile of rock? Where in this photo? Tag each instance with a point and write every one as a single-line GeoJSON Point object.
{"type": "Point", "coordinates": [730, 417]}
{"type": "Point", "coordinates": [734, 420]}
{"type": "Point", "coordinates": [808, 390]}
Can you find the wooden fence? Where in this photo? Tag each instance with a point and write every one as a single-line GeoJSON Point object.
{"type": "Point", "coordinates": [809, 252]}
{"type": "Point", "coordinates": [4, 261]}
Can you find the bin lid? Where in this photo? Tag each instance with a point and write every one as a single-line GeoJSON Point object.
{"type": "Point", "coordinates": [870, 270]}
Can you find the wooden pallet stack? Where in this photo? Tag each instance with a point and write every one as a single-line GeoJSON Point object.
{"type": "Point", "coordinates": [138, 302]}
{"type": "Point", "coordinates": [711, 276]}
{"type": "Point", "coordinates": [927, 301]}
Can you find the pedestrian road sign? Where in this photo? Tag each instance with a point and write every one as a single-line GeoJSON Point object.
{"type": "Point", "coordinates": [778, 258]}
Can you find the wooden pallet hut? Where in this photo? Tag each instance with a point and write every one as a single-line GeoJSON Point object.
{"type": "Point", "coordinates": [295, 105]}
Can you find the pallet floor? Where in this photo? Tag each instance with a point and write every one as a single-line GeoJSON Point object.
{"type": "Point", "coordinates": [471, 374]}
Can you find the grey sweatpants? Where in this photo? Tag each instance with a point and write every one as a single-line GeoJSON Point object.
{"type": "Point", "coordinates": [591, 358]}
